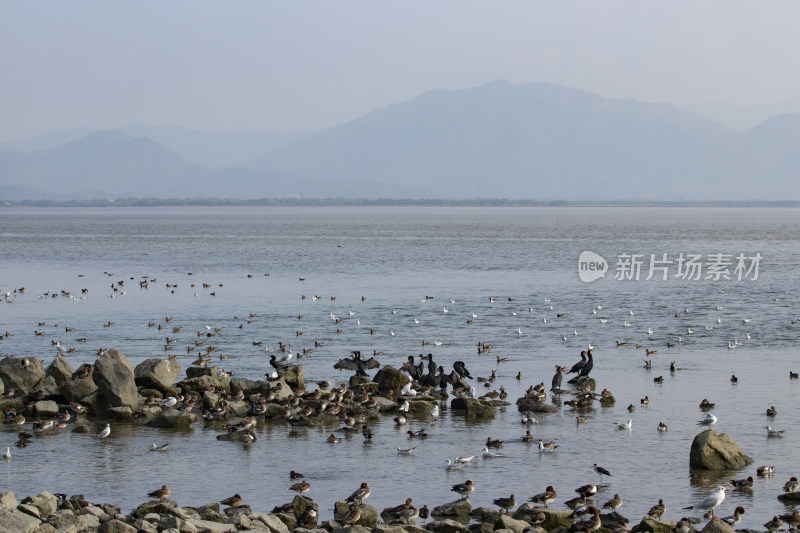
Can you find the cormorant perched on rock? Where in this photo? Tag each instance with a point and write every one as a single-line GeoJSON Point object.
{"type": "Point", "coordinates": [357, 363]}
{"type": "Point", "coordinates": [461, 368]}
{"type": "Point", "coordinates": [556, 383]}
{"type": "Point", "coordinates": [415, 371]}
{"type": "Point", "coordinates": [577, 366]}
{"type": "Point", "coordinates": [588, 366]}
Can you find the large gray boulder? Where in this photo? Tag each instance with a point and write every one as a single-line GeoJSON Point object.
{"type": "Point", "coordinates": [159, 374]}
{"type": "Point", "coordinates": [116, 526]}
{"type": "Point", "coordinates": [75, 390]}
{"type": "Point", "coordinates": [22, 373]}
{"type": "Point", "coordinates": [60, 369]}
{"type": "Point", "coordinates": [249, 386]}
{"type": "Point", "coordinates": [172, 418]}
{"type": "Point", "coordinates": [201, 383]}
{"type": "Point", "coordinates": [45, 389]}
{"type": "Point", "coordinates": [448, 526]}
{"type": "Point", "coordinates": [369, 515]}
{"type": "Point", "coordinates": [293, 376]}
{"type": "Point", "coordinates": [712, 451]}
{"type": "Point", "coordinates": [113, 374]}
{"type": "Point", "coordinates": [389, 379]}
{"type": "Point", "coordinates": [472, 409]}
{"type": "Point", "coordinates": [15, 521]}
{"type": "Point", "coordinates": [717, 526]}
{"type": "Point", "coordinates": [553, 518]}
{"type": "Point", "coordinates": [43, 409]}
{"type": "Point", "coordinates": [526, 403]}
{"type": "Point", "coordinates": [458, 508]}
{"type": "Point", "coordinates": [653, 525]}
{"type": "Point", "coordinates": [790, 498]}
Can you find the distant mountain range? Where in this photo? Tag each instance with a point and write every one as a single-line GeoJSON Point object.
{"type": "Point", "coordinates": [538, 141]}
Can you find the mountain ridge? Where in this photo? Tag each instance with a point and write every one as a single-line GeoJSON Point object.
{"type": "Point", "coordinates": [498, 140]}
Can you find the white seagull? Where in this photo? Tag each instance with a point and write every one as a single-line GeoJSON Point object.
{"type": "Point", "coordinates": [453, 466]}
{"type": "Point", "coordinates": [7, 455]}
{"type": "Point", "coordinates": [60, 348]}
{"type": "Point", "coordinates": [465, 459]}
{"type": "Point", "coordinates": [489, 454]}
{"type": "Point", "coordinates": [773, 432]}
{"type": "Point", "coordinates": [156, 448]}
{"type": "Point", "coordinates": [105, 433]}
{"type": "Point", "coordinates": [710, 502]}
{"type": "Point", "coordinates": [708, 421]}
{"type": "Point", "coordinates": [546, 449]}
{"type": "Point", "coordinates": [435, 411]}
{"type": "Point", "coordinates": [407, 390]}
{"type": "Point", "coordinates": [406, 451]}
{"type": "Point", "coordinates": [627, 425]}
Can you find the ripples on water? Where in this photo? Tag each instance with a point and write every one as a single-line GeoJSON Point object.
{"type": "Point", "coordinates": [395, 257]}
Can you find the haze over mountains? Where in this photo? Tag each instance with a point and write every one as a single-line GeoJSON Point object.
{"type": "Point", "coordinates": [534, 141]}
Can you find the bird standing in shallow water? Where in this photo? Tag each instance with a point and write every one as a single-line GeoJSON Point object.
{"type": "Point", "coordinates": [614, 503]}
{"type": "Point", "coordinates": [601, 472]}
{"type": "Point", "coordinates": [105, 433]}
{"type": "Point", "coordinates": [366, 432]}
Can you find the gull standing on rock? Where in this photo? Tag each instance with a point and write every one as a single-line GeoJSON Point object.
{"type": "Point", "coordinates": [708, 421]}
{"type": "Point", "coordinates": [710, 502]}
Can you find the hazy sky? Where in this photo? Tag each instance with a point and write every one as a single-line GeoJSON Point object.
{"type": "Point", "coordinates": [296, 64]}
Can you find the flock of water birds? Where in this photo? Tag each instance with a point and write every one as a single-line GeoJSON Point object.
{"type": "Point", "coordinates": [205, 349]}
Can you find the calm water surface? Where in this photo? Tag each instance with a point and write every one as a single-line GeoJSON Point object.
{"type": "Point", "coordinates": [394, 257]}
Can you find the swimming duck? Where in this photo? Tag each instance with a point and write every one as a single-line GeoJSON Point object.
{"type": "Point", "coordinates": [742, 483]}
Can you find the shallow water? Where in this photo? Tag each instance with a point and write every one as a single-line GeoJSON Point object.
{"type": "Point", "coordinates": [394, 257]}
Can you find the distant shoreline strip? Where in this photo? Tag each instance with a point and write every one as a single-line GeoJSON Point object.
{"type": "Point", "coordinates": [433, 202]}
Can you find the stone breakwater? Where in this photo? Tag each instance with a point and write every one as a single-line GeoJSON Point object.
{"type": "Point", "coordinates": [60, 398]}
{"type": "Point", "coordinates": [57, 513]}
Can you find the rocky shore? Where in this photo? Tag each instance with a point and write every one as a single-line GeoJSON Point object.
{"type": "Point", "coordinates": [57, 513]}
{"type": "Point", "coordinates": [60, 398]}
